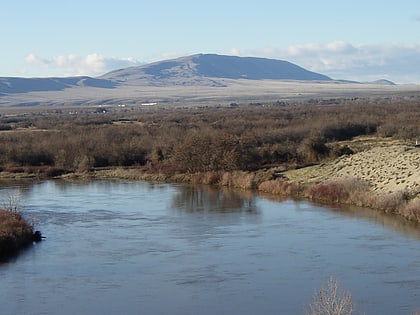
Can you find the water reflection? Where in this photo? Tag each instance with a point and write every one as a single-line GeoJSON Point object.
{"type": "Point", "coordinates": [387, 220]}
{"type": "Point", "coordinates": [192, 199]}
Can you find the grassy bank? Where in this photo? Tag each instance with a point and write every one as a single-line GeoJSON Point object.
{"type": "Point", "coordinates": [15, 233]}
{"type": "Point", "coordinates": [321, 183]}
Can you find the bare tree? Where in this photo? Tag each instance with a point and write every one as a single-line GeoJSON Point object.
{"type": "Point", "coordinates": [12, 201]}
{"type": "Point", "coordinates": [330, 300]}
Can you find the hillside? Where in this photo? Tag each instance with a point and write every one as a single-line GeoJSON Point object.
{"type": "Point", "coordinates": [205, 68]}
{"type": "Point", "coordinates": [387, 165]}
{"type": "Point", "coordinates": [13, 85]}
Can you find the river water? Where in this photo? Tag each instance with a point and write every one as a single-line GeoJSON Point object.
{"type": "Point", "coordinates": [119, 247]}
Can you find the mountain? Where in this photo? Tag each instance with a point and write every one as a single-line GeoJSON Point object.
{"type": "Point", "coordinates": [202, 69]}
{"type": "Point", "coordinates": [24, 85]}
{"type": "Point", "coordinates": [383, 82]}
{"type": "Point", "coordinates": [208, 68]}
{"type": "Point", "coordinates": [193, 79]}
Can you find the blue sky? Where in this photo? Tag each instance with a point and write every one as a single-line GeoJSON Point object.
{"type": "Point", "coordinates": [360, 40]}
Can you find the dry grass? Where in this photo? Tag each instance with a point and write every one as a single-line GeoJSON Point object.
{"type": "Point", "coordinates": [412, 211]}
{"type": "Point", "coordinates": [234, 179]}
{"type": "Point", "coordinates": [239, 179]}
{"type": "Point", "coordinates": [280, 187]}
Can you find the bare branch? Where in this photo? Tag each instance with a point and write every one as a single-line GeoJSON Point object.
{"type": "Point", "coordinates": [330, 300]}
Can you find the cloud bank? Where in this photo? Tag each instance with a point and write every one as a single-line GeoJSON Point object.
{"type": "Point", "coordinates": [342, 60]}
{"type": "Point", "coordinates": [71, 65]}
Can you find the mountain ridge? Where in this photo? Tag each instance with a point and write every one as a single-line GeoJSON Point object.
{"type": "Point", "coordinates": [205, 68]}
{"type": "Point", "coordinates": [11, 85]}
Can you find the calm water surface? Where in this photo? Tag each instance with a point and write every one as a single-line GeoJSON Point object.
{"type": "Point", "coordinates": [116, 247]}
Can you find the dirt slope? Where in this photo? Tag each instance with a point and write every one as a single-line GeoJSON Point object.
{"type": "Point", "coordinates": [386, 165]}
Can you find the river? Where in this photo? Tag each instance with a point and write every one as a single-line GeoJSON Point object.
{"type": "Point", "coordinates": [121, 247]}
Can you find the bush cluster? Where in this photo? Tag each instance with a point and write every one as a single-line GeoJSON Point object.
{"type": "Point", "coordinates": [15, 233]}
{"type": "Point", "coordinates": [198, 140]}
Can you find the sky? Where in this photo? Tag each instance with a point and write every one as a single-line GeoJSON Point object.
{"type": "Point", "coordinates": [361, 40]}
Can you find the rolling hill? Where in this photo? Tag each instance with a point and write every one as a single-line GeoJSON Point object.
{"type": "Point", "coordinates": [207, 68]}
{"type": "Point", "coordinates": [25, 85]}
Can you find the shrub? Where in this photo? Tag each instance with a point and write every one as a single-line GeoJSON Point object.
{"type": "Point", "coordinates": [331, 192]}
{"type": "Point", "coordinates": [391, 202]}
{"type": "Point", "coordinates": [5, 127]}
{"type": "Point", "coordinates": [348, 131]}
{"type": "Point", "coordinates": [412, 210]}
{"type": "Point", "coordinates": [49, 171]}
{"type": "Point", "coordinates": [239, 179]}
{"type": "Point", "coordinates": [349, 189]}
{"type": "Point", "coordinates": [329, 300]}
{"type": "Point", "coordinates": [313, 149]}
{"type": "Point", "coordinates": [16, 169]}
{"type": "Point", "coordinates": [15, 232]}
{"type": "Point", "coordinates": [279, 187]}
{"type": "Point", "coordinates": [342, 150]}
{"type": "Point", "coordinates": [163, 168]}
{"type": "Point", "coordinates": [243, 180]}
{"type": "Point", "coordinates": [207, 178]}
{"type": "Point", "coordinates": [243, 138]}
{"type": "Point", "coordinates": [84, 164]}
{"type": "Point", "coordinates": [52, 171]}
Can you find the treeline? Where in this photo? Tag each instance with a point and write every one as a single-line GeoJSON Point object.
{"type": "Point", "coordinates": [245, 138]}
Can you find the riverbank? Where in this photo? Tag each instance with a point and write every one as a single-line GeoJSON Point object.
{"type": "Point", "coordinates": [382, 174]}
{"type": "Point", "coordinates": [15, 233]}
{"type": "Point", "coordinates": [379, 173]}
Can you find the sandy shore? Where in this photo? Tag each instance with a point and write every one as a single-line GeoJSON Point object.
{"type": "Point", "coordinates": [388, 166]}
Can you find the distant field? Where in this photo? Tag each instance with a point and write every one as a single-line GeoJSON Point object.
{"type": "Point", "coordinates": [228, 91]}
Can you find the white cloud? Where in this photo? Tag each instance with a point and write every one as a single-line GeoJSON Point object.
{"type": "Point", "coordinates": [71, 65]}
{"type": "Point", "coordinates": [342, 60]}
{"type": "Point", "coordinates": [234, 52]}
